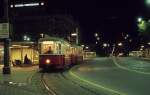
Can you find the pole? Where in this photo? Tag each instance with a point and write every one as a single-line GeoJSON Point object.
{"type": "Point", "coordinates": [6, 68]}
{"type": "Point", "coordinates": [113, 50]}
{"type": "Point", "coordinates": [77, 37]}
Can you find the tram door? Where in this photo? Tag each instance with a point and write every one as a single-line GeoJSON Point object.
{"type": "Point", "coordinates": [59, 48]}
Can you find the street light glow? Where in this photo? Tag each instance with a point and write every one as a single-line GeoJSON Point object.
{"type": "Point", "coordinates": [74, 34]}
{"type": "Point", "coordinates": [87, 47]}
{"type": "Point", "coordinates": [130, 40]}
{"type": "Point", "coordinates": [120, 44]}
{"type": "Point", "coordinates": [82, 45]}
{"type": "Point", "coordinates": [25, 37]}
{"type": "Point", "coordinates": [148, 2]}
{"type": "Point", "coordinates": [141, 49]}
{"type": "Point", "coordinates": [28, 39]}
{"type": "Point", "coordinates": [11, 6]}
{"type": "Point", "coordinates": [98, 38]}
{"type": "Point", "coordinates": [96, 34]}
{"type": "Point", "coordinates": [142, 46]}
{"type": "Point", "coordinates": [42, 3]}
{"type": "Point", "coordinates": [127, 35]}
{"type": "Point", "coordinates": [140, 19]}
{"type": "Point", "coordinates": [104, 45]}
{"type": "Point", "coordinates": [96, 42]}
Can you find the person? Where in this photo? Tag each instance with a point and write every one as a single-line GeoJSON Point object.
{"type": "Point", "coordinates": [26, 60]}
{"type": "Point", "coordinates": [49, 51]}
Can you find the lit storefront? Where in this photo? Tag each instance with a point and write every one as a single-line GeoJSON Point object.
{"type": "Point", "coordinates": [18, 51]}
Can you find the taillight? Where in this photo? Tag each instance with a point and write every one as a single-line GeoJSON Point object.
{"type": "Point", "coordinates": [48, 61]}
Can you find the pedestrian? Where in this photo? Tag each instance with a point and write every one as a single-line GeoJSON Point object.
{"type": "Point", "coordinates": [26, 60]}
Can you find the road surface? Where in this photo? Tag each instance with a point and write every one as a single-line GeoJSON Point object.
{"type": "Point", "coordinates": [127, 76]}
{"type": "Point", "coordinates": [100, 76]}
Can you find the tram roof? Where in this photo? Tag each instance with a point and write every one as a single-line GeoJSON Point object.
{"type": "Point", "coordinates": [48, 38]}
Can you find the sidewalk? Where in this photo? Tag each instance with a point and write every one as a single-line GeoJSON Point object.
{"type": "Point", "coordinates": [18, 74]}
{"type": "Point", "coordinates": [147, 59]}
{"type": "Point", "coordinates": [18, 82]}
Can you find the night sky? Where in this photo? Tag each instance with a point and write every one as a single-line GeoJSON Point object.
{"type": "Point", "coordinates": [110, 18]}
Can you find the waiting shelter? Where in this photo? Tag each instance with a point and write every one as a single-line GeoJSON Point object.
{"type": "Point", "coordinates": [18, 51]}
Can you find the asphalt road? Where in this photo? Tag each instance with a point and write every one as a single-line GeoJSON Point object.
{"type": "Point", "coordinates": [100, 76]}
{"type": "Point", "coordinates": [124, 76]}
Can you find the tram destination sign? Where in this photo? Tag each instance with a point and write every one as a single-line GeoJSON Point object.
{"type": "Point", "coordinates": [4, 30]}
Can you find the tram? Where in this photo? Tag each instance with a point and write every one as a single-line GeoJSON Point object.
{"type": "Point", "coordinates": [56, 53]}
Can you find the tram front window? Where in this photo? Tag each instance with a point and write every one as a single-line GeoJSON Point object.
{"type": "Point", "coordinates": [49, 51]}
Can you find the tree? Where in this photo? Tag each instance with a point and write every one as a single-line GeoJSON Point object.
{"type": "Point", "coordinates": [144, 29]}
{"type": "Point", "coordinates": [61, 26]}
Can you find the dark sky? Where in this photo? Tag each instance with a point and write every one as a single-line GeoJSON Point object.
{"type": "Point", "coordinates": [107, 17]}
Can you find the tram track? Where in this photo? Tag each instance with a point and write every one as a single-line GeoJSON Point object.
{"type": "Point", "coordinates": [47, 88]}
{"type": "Point", "coordinates": [57, 83]}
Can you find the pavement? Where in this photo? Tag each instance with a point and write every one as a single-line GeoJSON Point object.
{"type": "Point", "coordinates": [18, 74]}
{"type": "Point", "coordinates": [138, 65]}
{"type": "Point", "coordinates": [21, 81]}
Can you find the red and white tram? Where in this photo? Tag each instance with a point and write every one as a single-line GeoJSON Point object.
{"type": "Point", "coordinates": [56, 53]}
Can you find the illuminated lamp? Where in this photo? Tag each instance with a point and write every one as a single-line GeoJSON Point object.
{"type": "Point", "coordinates": [48, 61]}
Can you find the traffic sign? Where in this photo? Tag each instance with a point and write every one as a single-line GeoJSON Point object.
{"type": "Point", "coordinates": [4, 30]}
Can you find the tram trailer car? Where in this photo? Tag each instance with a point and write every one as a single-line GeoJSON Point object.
{"type": "Point", "coordinates": [76, 55]}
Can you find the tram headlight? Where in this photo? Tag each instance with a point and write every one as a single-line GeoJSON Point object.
{"type": "Point", "coordinates": [48, 61]}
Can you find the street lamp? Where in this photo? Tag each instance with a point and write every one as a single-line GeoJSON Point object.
{"type": "Point", "coordinates": [105, 45]}
{"type": "Point", "coordinates": [130, 40]}
{"type": "Point", "coordinates": [96, 42]}
{"type": "Point", "coordinates": [26, 38]}
{"type": "Point", "coordinates": [98, 38]}
{"type": "Point", "coordinates": [73, 34]}
{"type": "Point", "coordinates": [96, 34]}
{"type": "Point", "coordinates": [148, 2]}
{"type": "Point", "coordinates": [11, 6]}
{"type": "Point", "coordinates": [142, 46]}
{"type": "Point", "coordinates": [120, 44]}
{"type": "Point", "coordinates": [76, 34]}
{"type": "Point", "coordinates": [86, 47]}
{"type": "Point", "coordinates": [42, 3]}
{"type": "Point", "coordinates": [82, 45]}
{"type": "Point", "coordinates": [139, 19]}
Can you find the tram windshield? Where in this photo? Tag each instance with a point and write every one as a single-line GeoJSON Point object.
{"type": "Point", "coordinates": [50, 47]}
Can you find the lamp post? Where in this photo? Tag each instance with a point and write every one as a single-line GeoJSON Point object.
{"type": "Point", "coordinates": [6, 68]}
{"type": "Point", "coordinates": [76, 34]}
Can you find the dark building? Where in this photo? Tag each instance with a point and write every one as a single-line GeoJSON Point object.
{"type": "Point", "coordinates": [30, 17]}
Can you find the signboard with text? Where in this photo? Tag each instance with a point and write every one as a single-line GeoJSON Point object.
{"type": "Point", "coordinates": [4, 30]}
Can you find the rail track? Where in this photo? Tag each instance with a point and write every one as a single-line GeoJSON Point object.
{"type": "Point", "coordinates": [62, 84]}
